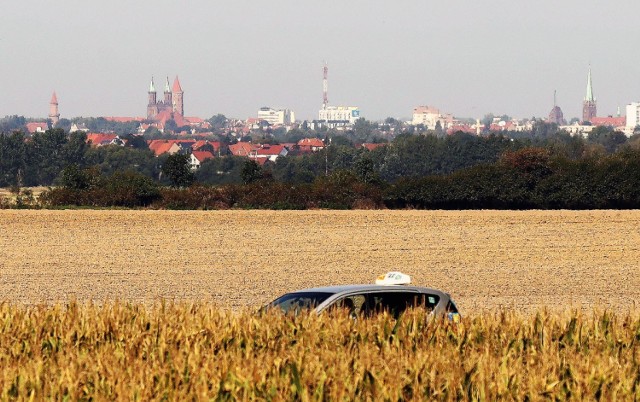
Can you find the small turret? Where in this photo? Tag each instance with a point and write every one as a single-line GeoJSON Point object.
{"type": "Point", "coordinates": [556, 116]}
{"type": "Point", "coordinates": [54, 113]}
{"type": "Point", "coordinates": [152, 106]}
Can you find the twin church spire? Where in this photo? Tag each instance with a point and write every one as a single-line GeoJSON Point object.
{"type": "Point", "coordinates": [173, 99]}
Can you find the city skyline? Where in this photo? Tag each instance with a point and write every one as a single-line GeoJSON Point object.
{"type": "Point", "coordinates": [465, 58]}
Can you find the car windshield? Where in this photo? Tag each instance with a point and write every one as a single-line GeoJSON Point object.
{"type": "Point", "coordinates": [299, 301]}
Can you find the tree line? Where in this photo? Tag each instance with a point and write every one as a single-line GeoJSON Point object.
{"type": "Point", "coordinates": [528, 178]}
{"type": "Point", "coordinates": [546, 170]}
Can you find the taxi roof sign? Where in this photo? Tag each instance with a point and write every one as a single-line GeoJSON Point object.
{"type": "Point", "coordinates": [393, 278]}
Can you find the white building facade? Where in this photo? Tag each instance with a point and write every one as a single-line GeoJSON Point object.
{"type": "Point", "coordinates": [633, 117]}
{"type": "Point", "coordinates": [430, 116]}
{"type": "Point", "coordinates": [276, 117]}
{"type": "Point", "coordinates": [339, 115]}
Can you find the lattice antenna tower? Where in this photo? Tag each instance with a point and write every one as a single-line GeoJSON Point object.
{"type": "Point", "coordinates": [325, 86]}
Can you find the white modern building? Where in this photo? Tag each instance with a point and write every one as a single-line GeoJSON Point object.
{"type": "Point", "coordinates": [339, 115]}
{"type": "Point", "coordinates": [633, 117]}
{"type": "Point", "coordinates": [430, 116]}
{"type": "Point", "coordinates": [577, 129]}
{"type": "Point", "coordinates": [276, 117]}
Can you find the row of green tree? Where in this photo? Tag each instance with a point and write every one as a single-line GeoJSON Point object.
{"type": "Point", "coordinates": [39, 159]}
{"type": "Point", "coordinates": [523, 179]}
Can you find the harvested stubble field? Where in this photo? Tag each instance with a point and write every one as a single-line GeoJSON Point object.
{"type": "Point", "coordinates": [485, 259]}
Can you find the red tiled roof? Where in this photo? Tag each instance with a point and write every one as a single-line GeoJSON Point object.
{"type": "Point", "coordinates": [153, 144]}
{"type": "Point", "coordinates": [241, 148]}
{"type": "Point", "coordinates": [163, 149]}
{"type": "Point", "coordinates": [609, 121]}
{"type": "Point", "coordinates": [202, 155]}
{"type": "Point", "coordinates": [268, 150]}
{"type": "Point", "coordinates": [33, 127]}
{"type": "Point", "coordinates": [194, 120]}
{"type": "Point", "coordinates": [203, 143]}
{"type": "Point", "coordinates": [199, 144]}
{"type": "Point", "coordinates": [96, 139]}
{"type": "Point", "coordinates": [123, 119]}
{"type": "Point", "coordinates": [167, 115]}
{"type": "Point", "coordinates": [159, 147]}
{"type": "Point", "coordinates": [311, 142]}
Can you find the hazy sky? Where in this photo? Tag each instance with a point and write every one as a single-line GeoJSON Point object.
{"type": "Point", "coordinates": [466, 57]}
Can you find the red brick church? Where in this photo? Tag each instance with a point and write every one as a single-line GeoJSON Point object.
{"type": "Point", "coordinates": [171, 107]}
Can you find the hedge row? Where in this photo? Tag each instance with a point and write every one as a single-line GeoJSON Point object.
{"type": "Point", "coordinates": [526, 179]}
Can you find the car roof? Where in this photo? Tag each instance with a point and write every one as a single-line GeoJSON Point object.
{"type": "Point", "coordinates": [369, 288]}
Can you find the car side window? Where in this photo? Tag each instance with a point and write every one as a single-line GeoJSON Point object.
{"type": "Point", "coordinates": [397, 302]}
{"type": "Point", "coordinates": [353, 303]}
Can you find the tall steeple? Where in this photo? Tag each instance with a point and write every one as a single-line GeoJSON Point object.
{"type": "Point", "coordinates": [54, 113]}
{"type": "Point", "coordinates": [589, 97]}
{"type": "Point", "coordinates": [589, 108]}
{"type": "Point", "coordinates": [178, 100]}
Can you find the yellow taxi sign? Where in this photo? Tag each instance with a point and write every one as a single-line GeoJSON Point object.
{"type": "Point", "coordinates": [393, 278]}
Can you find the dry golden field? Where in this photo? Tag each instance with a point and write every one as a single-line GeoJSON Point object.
{"type": "Point", "coordinates": [5, 192]}
{"type": "Point", "coordinates": [485, 259]}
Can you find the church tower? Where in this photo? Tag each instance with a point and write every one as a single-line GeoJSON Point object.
{"type": "Point", "coordinates": [152, 107]}
{"type": "Point", "coordinates": [556, 116]}
{"type": "Point", "coordinates": [167, 94]}
{"type": "Point", "coordinates": [54, 113]}
{"type": "Point", "coordinates": [178, 101]}
{"type": "Point", "coordinates": [589, 109]}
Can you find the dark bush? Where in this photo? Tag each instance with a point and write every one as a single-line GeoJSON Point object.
{"type": "Point", "coordinates": [267, 194]}
{"type": "Point", "coordinates": [130, 189]}
{"type": "Point", "coordinates": [198, 197]}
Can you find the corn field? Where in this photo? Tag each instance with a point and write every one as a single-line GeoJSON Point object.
{"type": "Point", "coordinates": [198, 351]}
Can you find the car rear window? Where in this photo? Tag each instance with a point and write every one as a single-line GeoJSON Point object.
{"type": "Point", "coordinates": [299, 301]}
